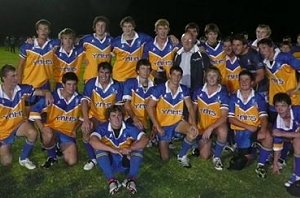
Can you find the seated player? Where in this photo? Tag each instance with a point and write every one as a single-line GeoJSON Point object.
{"type": "Point", "coordinates": [62, 121]}
{"type": "Point", "coordinates": [119, 148]}
{"type": "Point", "coordinates": [286, 128]}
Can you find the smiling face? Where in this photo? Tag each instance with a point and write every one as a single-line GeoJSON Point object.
{"type": "Point", "coordinates": [116, 119]}
{"type": "Point", "coordinates": [245, 82]}
{"type": "Point", "coordinates": [70, 87]}
{"type": "Point", "coordinates": [104, 76]}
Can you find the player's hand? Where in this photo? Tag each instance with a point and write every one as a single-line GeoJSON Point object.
{"type": "Point", "coordinates": [174, 40]}
{"type": "Point", "coordinates": [252, 128]}
{"type": "Point", "coordinates": [160, 130]}
{"type": "Point", "coordinates": [86, 126]}
{"type": "Point", "coordinates": [207, 133]}
{"type": "Point", "coordinates": [138, 123]}
{"type": "Point", "coordinates": [277, 133]}
{"type": "Point", "coordinates": [125, 151]}
{"type": "Point", "coordinates": [275, 169]}
{"type": "Point", "coordinates": [49, 98]}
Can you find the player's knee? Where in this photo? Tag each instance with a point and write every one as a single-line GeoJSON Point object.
{"type": "Point", "coordinates": [204, 155]}
{"type": "Point", "coordinates": [71, 161]}
{"type": "Point", "coordinates": [6, 161]}
{"type": "Point", "coordinates": [31, 135]}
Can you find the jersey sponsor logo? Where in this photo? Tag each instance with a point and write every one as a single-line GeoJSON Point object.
{"type": "Point", "coordinates": [140, 106]}
{"type": "Point", "coordinates": [43, 62]}
{"type": "Point", "coordinates": [68, 69]}
{"type": "Point", "coordinates": [233, 76]}
{"type": "Point", "coordinates": [172, 111]}
{"type": "Point", "coordinates": [277, 81]}
{"type": "Point", "coordinates": [132, 59]}
{"type": "Point", "coordinates": [67, 118]}
{"type": "Point", "coordinates": [100, 55]}
{"type": "Point", "coordinates": [208, 112]}
{"type": "Point", "coordinates": [247, 118]}
{"type": "Point", "coordinates": [164, 62]}
{"type": "Point", "coordinates": [103, 104]}
{"type": "Point", "coordinates": [13, 115]}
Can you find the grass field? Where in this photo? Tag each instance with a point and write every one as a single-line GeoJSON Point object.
{"type": "Point", "coordinates": [156, 179]}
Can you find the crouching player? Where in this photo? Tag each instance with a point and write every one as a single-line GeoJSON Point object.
{"type": "Point", "coordinates": [13, 116]}
{"type": "Point", "coordinates": [286, 128]}
{"type": "Point", "coordinates": [248, 118]}
{"type": "Point", "coordinates": [119, 148]}
{"type": "Point", "coordinates": [61, 122]}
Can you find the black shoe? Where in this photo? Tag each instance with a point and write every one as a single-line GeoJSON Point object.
{"type": "Point", "coordinates": [49, 162]}
{"type": "Point", "coordinates": [196, 152]}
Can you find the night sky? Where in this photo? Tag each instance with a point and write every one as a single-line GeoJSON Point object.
{"type": "Point", "coordinates": [18, 16]}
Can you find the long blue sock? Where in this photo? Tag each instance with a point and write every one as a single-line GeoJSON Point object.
{"type": "Point", "coordinates": [90, 150]}
{"type": "Point", "coordinates": [263, 155]}
{"type": "Point", "coordinates": [104, 164]}
{"type": "Point", "coordinates": [135, 162]}
{"type": "Point", "coordinates": [218, 149]}
{"type": "Point", "coordinates": [287, 146]}
{"type": "Point", "coordinates": [52, 151]}
{"type": "Point", "coordinates": [27, 148]}
{"type": "Point", "coordinates": [186, 145]}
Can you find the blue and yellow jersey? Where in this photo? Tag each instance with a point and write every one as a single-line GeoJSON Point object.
{"type": "Point", "coordinates": [293, 127]}
{"type": "Point", "coordinates": [169, 107]}
{"type": "Point", "coordinates": [217, 57]}
{"type": "Point", "coordinates": [282, 75]}
{"type": "Point", "coordinates": [96, 51]}
{"type": "Point", "coordinates": [12, 111]}
{"type": "Point", "coordinates": [64, 62]}
{"type": "Point", "coordinates": [128, 134]}
{"type": "Point", "coordinates": [160, 59]}
{"type": "Point", "coordinates": [38, 66]}
{"type": "Point", "coordinates": [127, 55]}
{"type": "Point", "coordinates": [296, 51]}
{"type": "Point", "coordinates": [138, 96]}
{"type": "Point", "coordinates": [62, 115]}
{"type": "Point", "coordinates": [248, 111]}
{"type": "Point", "coordinates": [209, 106]}
{"type": "Point", "coordinates": [100, 99]}
{"type": "Point", "coordinates": [233, 70]}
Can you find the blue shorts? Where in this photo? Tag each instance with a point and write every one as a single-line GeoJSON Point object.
{"type": "Point", "coordinates": [10, 139]}
{"type": "Point", "coordinates": [169, 133]}
{"type": "Point", "coordinates": [243, 139]}
{"type": "Point", "coordinates": [278, 143]}
{"type": "Point", "coordinates": [62, 138]}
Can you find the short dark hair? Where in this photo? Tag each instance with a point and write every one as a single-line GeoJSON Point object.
{"type": "Point", "coordinates": [266, 41]}
{"type": "Point", "coordinates": [102, 19]}
{"type": "Point", "coordinates": [247, 73]}
{"type": "Point", "coordinates": [127, 19]}
{"type": "Point", "coordinates": [176, 68]}
{"type": "Point", "coordinates": [113, 109]}
{"type": "Point", "coordinates": [105, 65]}
{"type": "Point", "coordinates": [141, 62]}
{"type": "Point", "coordinates": [282, 97]}
{"type": "Point", "coordinates": [5, 69]}
{"type": "Point", "coordinates": [192, 25]}
{"type": "Point", "coordinates": [69, 76]}
{"type": "Point", "coordinates": [42, 22]}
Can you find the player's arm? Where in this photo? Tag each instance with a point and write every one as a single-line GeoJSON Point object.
{"type": "Point", "coordinates": [20, 69]}
{"type": "Point", "coordinates": [46, 93]}
{"type": "Point", "coordinates": [238, 123]}
{"type": "Point", "coordinates": [86, 125]}
{"type": "Point", "coordinates": [140, 143]}
{"type": "Point", "coordinates": [190, 107]}
{"type": "Point", "coordinates": [138, 123]}
{"type": "Point", "coordinates": [278, 133]}
{"type": "Point", "coordinates": [260, 75]}
{"type": "Point", "coordinates": [276, 156]}
{"type": "Point", "coordinates": [150, 107]}
{"type": "Point", "coordinates": [98, 145]}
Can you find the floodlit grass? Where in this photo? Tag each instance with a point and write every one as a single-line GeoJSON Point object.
{"type": "Point", "coordinates": [156, 179]}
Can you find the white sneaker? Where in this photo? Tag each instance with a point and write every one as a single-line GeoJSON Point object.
{"type": "Point", "coordinates": [90, 165]}
{"type": "Point", "coordinates": [218, 163]}
{"type": "Point", "coordinates": [114, 186]}
{"type": "Point", "coordinates": [27, 164]}
{"type": "Point", "coordinates": [184, 161]}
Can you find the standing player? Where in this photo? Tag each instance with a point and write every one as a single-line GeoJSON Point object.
{"type": "Point", "coordinates": [101, 92]}
{"type": "Point", "coordinates": [68, 58]}
{"type": "Point", "coordinates": [165, 109]}
{"type": "Point", "coordinates": [36, 63]}
{"type": "Point", "coordinates": [119, 148]}
{"type": "Point", "coordinates": [62, 121]}
{"type": "Point", "coordinates": [128, 49]}
{"type": "Point", "coordinates": [248, 118]}
{"type": "Point", "coordinates": [13, 119]}
{"type": "Point", "coordinates": [211, 105]}
{"type": "Point", "coordinates": [97, 47]}
{"type": "Point", "coordinates": [161, 51]}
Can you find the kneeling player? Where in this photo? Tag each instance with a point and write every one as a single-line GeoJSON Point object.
{"type": "Point", "coordinates": [62, 121]}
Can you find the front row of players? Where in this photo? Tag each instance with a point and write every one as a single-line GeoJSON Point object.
{"type": "Point", "coordinates": [118, 146]}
